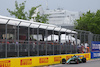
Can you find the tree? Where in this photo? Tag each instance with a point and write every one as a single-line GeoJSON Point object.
{"type": "Point", "coordinates": [44, 18]}
{"type": "Point", "coordinates": [89, 22]}
{"type": "Point", "coordinates": [19, 12]}
{"type": "Point", "coordinates": [41, 18]}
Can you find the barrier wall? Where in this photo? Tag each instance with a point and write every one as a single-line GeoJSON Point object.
{"type": "Point", "coordinates": [36, 61]}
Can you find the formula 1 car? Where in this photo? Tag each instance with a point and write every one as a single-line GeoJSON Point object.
{"type": "Point", "coordinates": [74, 59]}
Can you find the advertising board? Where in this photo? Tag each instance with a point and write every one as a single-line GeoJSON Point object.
{"type": "Point", "coordinates": [95, 46]}
{"type": "Point", "coordinates": [25, 61]}
{"type": "Point", "coordinates": [43, 60]}
{"type": "Point", "coordinates": [95, 49]}
{"type": "Point", "coordinates": [95, 55]}
{"type": "Point", "coordinates": [38, 60]}
{"type": "Point", "coordinates": [5, 63]}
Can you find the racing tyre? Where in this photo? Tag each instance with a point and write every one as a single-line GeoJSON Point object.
{"type": "Point", "coordinates": [84, 60]}
{"type": "Point", "coordinates": [63, 61]}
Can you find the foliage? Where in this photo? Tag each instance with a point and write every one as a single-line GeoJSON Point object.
{"type": "Point", "coordinates": [41, 18]}
{"type": "Point", "coordinates": [19, 12]}
{"type": "Point", "coordinates": [32, 11]}
{"type": "Point", "coordinates": [89, 22]}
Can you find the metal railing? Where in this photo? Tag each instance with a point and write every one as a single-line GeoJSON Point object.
{"type": "Point", "coordinates": [43, 49]}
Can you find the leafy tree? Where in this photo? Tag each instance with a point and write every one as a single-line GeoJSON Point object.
{"type": "Point", "coordinates": [41, 18]}
{"type": "Point", "coordinates": [89, 22]}
{"type": "Point", "coordinates": [44, 18]}
{"type": "Point", "coordinates": [19, 12]}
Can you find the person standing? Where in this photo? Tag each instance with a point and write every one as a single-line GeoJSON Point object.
{"type": "Point", "coordinates": [86, 45]}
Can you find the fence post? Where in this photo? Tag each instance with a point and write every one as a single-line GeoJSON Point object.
{"type": "Point", "coordinates": [60, 40]}
{"type": "Point", "coordinates": [76, 41]}
{"type": "Point", "coordinates": [66, 41]}
{"type": "Point", "coordinates": [29, 39]}
{"type": "Point", "coordinates": [53, 40]}
{"type": "Point", "coordinates": [18, 39]}
{"type": "Point", "coordinates": [38, 40]}
{"type": "Point", "coordinates": [6, 39]}
{"type": "Point", "coordinates": [90, 39]}
{"type": "Point", "coordinates": [46, 33]}
{"type": "Point", "coordinates": [84, 38]}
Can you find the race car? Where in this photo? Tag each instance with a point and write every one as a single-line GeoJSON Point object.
{"type": "Point", "coordinates": [74, 59]}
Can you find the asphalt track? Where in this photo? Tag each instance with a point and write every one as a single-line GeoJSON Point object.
{"type": "Point", "coordinates": [91, 63]}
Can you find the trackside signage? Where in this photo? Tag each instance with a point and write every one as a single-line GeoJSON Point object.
{"type": "Point", "coordinates": [56, 59]}
{"type": "Point", "coordinates": [25, 61]}
{"type": "Point", "coordinates": [95, 55]}
{"type": "Point", "coordinates": [95, 46]}
{"type": "Point", "coordinates": [95, 49]}
{"type": "Point", "coordinates": [5, 63]}
{"type": "Point", "coordinates": [39, 60]}
{"type": "Point", "coordinates": [43, 60]}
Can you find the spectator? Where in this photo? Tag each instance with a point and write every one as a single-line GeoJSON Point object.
{"type": "Point", "coordinates": [82, 47]}
{"type": "Point", "coordinates": [86, 45]}
{"type": "Point", "coordinates": [66, 43]}
{"type": "Point", "coordinates": [69, 43]}
{"type": "Point", "coordinates": [79, 48]}
{"type": "Point", "coordinates": [81, 44]}
{"type": "Point", "coordinates": [56, 41]}
{"type": "Point", "coordinates": [74, 45]}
